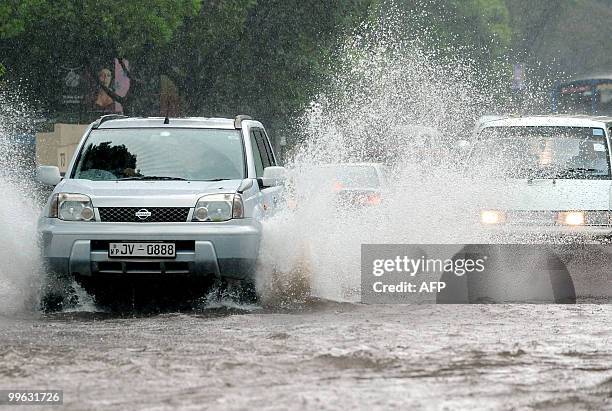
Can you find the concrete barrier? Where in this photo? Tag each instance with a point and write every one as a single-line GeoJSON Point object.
{"type": "Point", "coordinates": [57, 147]}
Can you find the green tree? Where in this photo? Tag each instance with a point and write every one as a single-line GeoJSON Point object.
{"type": "Point", "coordinates": [560, 37]}
{"type": "Point", "coordinates": [476, 30]}
{"type": "Point", "coordinates": [14, 15]}
{"type": "Point", "coordinates": [265, 58]}
{"type": "Point", "coordinates": [39, 34]}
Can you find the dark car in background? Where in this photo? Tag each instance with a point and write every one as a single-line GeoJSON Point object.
{"type": "Point", "coordinates": [339, 185]}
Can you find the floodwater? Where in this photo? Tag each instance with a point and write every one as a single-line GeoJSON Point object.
{"type": "Point", "coordinates": [325, 353]}
{"type": "Point", "coordinates": [320, 355]}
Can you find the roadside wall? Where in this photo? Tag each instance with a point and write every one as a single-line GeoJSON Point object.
{"type": "Point", "coordinates": [57, 148]}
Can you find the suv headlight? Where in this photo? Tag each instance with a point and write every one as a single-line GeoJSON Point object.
{"type": "Point", "coordinates": [218, 207]}
{"type": "Point", "coordinates": [71, 207]}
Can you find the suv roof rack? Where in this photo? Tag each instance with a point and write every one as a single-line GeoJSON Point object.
{"type": "Point", "coordinates": [106, 118]}
{"type": "Point", "coordinates": [239, 119]}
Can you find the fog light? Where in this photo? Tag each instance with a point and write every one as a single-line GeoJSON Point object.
{"type": "Point", "coordinates": [492, 217]}
{"type": "Point", "coordinates": [87, 214]}
{"type": "Point", "coordinates": [201, 214]}
{"type": "Point", "coordinates": [571, 218]}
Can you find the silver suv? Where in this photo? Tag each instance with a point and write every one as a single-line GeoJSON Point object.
{"type": "Point", "coordinates": [161, 197]}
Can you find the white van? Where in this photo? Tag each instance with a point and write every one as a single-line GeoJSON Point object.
{"type": "Point", "coordinates": [556, 175]}
{"type": "Point", "coordinates": [545, 182]}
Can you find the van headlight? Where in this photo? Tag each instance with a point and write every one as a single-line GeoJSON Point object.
{"type": "Point", "coordinates": [585, 218]}
{"type": "Point", "coordinates": [71, 207]}
{"type": "Point", "coordinates": [492, 217]}
{"type": "Point", "coordinates": [218, 207]}
{"type": "Point", "coordinates": [572, 218]}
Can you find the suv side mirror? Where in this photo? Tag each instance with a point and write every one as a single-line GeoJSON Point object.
{"type": "Point", "coordinates": [274, 176]}
{"type": "Point", "coordinates": [49, 175]}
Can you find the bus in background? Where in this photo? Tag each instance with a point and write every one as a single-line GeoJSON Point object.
{"type": "Point", "coordinates": [590, 94]}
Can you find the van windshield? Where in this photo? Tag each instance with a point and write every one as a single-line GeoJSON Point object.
{"type": "Point", "coordinates": [161, 154]}
{"type": "Point", "coordinates": [542, 152]}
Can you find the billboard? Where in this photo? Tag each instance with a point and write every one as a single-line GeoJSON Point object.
{"type": "Point", "coordinates": [85, 93]}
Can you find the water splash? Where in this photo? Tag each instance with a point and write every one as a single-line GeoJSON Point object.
{"type": "Point", "coordinates": [20, 266]}
{"type": "Point", "coordinates": [394, 102]}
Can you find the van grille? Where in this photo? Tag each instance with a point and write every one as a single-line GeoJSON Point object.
{"type": "Point", "coordinates": [129, 214]}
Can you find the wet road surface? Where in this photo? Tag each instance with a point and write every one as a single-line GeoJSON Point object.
{"type": "Point", "coordinates": [318, 356]}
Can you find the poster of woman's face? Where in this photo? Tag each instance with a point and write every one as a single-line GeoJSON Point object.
{"type": "Point", "coordinates": [103, 100]}
{"type": "Point", "coordinates": [119, 83]}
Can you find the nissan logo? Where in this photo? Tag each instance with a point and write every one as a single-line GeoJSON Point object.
{"type": "Point", "coordinates": [143, 214]}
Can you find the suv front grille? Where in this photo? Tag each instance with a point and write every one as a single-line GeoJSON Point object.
{"type": "Point", "coordinates": [158, 214]}
{"type": "Point", "coordinates": [147, 267]}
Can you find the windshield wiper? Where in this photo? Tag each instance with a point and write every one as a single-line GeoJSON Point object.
{"type": "Point", "coordinates": [582, 170]}
{"type": "Point", "coordinates": [577, 171]}
{"type": "Point", "coordinates": [533, 173]}
{"type": "Point", "coordinates": [152, 178]}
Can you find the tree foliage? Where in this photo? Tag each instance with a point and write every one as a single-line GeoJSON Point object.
{"type": "Point", "coordinates": [271, 61]}
{"type": "Point", "coordinates": [562, 37]}
{"type": "Point", "coordinates": [41, 34]}
{"type": "Point", "coordinates": [263, 57]}
{"type": "Point", "coordinates": [14, 15]}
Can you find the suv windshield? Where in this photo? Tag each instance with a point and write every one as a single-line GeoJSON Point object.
{"type": "Point", "coordinates": [542, 152]}
{"type": "Point", "coordinates": [161, 154]}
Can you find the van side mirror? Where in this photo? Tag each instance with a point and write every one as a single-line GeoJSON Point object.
{"type": "Point", "coordinates": [48, 175]}
{"type": "Point", "coordinates": [274, 176]}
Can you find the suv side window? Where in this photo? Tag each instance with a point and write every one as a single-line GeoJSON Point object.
{"type": "Point", "coordinates": [257, 157]}
{"type": "Point", "coordinates": [266, 144]}
{"type": "Point", "coordinates": [259, 138]}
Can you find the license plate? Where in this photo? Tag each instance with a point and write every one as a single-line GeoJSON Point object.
{"type": "Point", "coordinates": [146, 250]}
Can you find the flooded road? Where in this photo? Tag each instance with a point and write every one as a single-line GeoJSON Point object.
{"type": "Point", "coordinates": [320, 356]}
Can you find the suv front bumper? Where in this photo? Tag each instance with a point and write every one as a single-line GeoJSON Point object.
{"type": "Point", "coordinates": [227, 249]}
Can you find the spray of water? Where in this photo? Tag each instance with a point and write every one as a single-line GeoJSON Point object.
{"type": "Point", "coordinates": [19, 255]}
{"type": "Point", "coordinates": [390, 101]}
